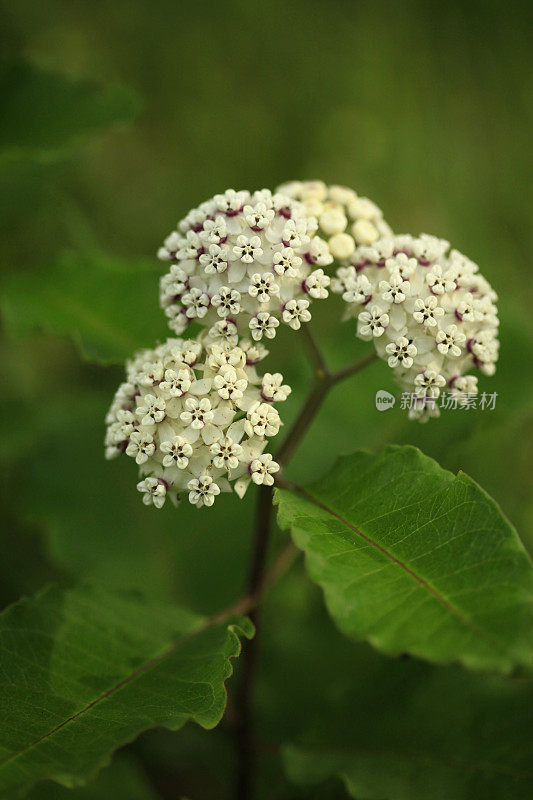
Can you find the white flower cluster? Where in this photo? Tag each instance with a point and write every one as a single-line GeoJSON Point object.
{"type": "Point", "coordinates": [196, 416]}
{"type": "Point", "coordinates": [429, 312]}
{"type": "Point", "coordinates": [345, 220]}
{"type": "Point", "coordinates": [242, 262]}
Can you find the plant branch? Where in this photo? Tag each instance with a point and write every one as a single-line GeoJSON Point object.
{"type": "Point", "coordinates": [312, 405]}
{"type": "Point", "coordinates": [315, 354]}
{"type": "Point", "coordinates": [248, 603]}
{"type": "Point", "coordinates": [353, 368]}
{"type": "Point", "coordinates": [324, 382]}
{"type": "Point", "coordinates": [257, 583]}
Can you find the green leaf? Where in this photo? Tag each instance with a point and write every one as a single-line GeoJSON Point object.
{"type": "Point", "coordinates": [400, 729]}
{"type": "Point", "coordinates": [447, 737]}
{"type": "Point", "coordinates": [43, 113]}
{"type": "Point", "coordinates": [109, 306]}
{"type": "Point", "coordinates": [85, 671]}
{"type": "Point", "coordinates": [415, 559]}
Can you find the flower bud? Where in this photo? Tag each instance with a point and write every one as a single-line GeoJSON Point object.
{"type": "Point", "coordinates": [345, 220]}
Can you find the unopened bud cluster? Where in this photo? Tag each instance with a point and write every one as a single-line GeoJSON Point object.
{"type": "Point", "coordinates": [196, 418]}
{"type": "Point", "coordinates": [242, 263]}
{"type": "Point", "coordinates": [429, 312]}
{"type": "Point", "coordinates": [345, 220]}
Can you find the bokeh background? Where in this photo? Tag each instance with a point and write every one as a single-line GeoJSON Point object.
{"type": "Point", "coordinates": [119, 117]}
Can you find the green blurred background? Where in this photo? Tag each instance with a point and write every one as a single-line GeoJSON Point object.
{"type": "Point", "coordinates": [119, 117]}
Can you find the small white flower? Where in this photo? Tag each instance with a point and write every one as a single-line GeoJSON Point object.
{"type": "Point", "coordinates": [152, 410]}
{"type": "Point", "coordinates": [287, 263]}
{"type": "Point", "coordinates": [438, 282]}
{"type": "Point", "coordinates": [202, 491]}
{"type": "Point", "coordinates": [426, 311]}
{"type": "Point", "coordinates": [151, 374]}
{"type": "Point", "coordinates": [196, 303]}
{"type": "Point", "coordinates": [429, 383]}
{"type": "Point", "coordinates": [395, 290]}
{"type": "Point", "coordinates": [214, 230]}
{"type": "Point", "coordinates": [177, 452]}
{"type": "Point", "coordinates": [449, 341]}
{"type": "Point", "coordinates": [258, 217]}
{"type": "Point", "coordinates": [428, 248]}
{"type": "Point", "coordinates": [263, 286]}
{"type": "Point", "coordinates": [226, 301]}
{"type": "Point", "coordinates": [467, 309]}
{"type": "Point", "coordinates": [462, 269]}
{"type": "Point", "coordinates": [295, 312]}
{"type": "Point", "coordinates": [170, 246]}
{"type": "Point", "coordinates": [402, 264]}
{"type": "Point", "coordinates": [345, 279]}
{"type": "Point", "coordinates": [358, 291]}
{"type": "Point", "coordinates": [254, 351]}
{"type": "Point", "coordinates": [273, 388]}
{"type": "Point", "coordinates": [191, 247]}
{"type": "Point", "coordinates": [317, 284]}
{"type": "Point", "coordinates": [226, 453]}
{"type": "Point", "coordinates": [187, 351]}
{"type": "Point", "coordinates": [248, 249]}
{"type": "Point", "coordinates": [319, 252]}
{"type": "Point", "coordinates": [294, 234]}
{"type": "Point", "coordinates": [176, 383]}
{"type": "Point", "coordinates": [263, 324]}
{"type": "Point", "coordinates": [262, 419]}
{"type": "Point", "coordinates": [214, 261]}
{"type": "Point", "coordinates": [225, 332]}
{"type": "Point", "coordinates": [154, 491]}
{"type": "Point", "coordinates": [462, 386]}
{"type": "Point", "coordinates": [262, 469]}
{"type": "Point", "coordinates": [373, 322]}
{"type": "Point", "coordinates": [484, 347]}
{"type": "Point", "coordinates": [402, 352]}
{"type": "Point", "coordinates": [141, 446]}
{"type": "Point", "coordinates": [231, 201]}
{"type": "Point", "coordinates": [228, 385]}
{"type": "Point", "coordinates": [197, 412]}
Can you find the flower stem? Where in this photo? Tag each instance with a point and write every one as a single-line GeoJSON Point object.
{"type": "Point", "coordinates": [318, 394]}
{"type": "Point", "coordinates": [249, 658]}
{"type": "Point", "coordinates": [324, 382]}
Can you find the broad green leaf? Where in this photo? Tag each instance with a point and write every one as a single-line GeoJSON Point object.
{"type": "Point", "coordinates": [43, 113]}
{"type": "Point", "coordinates": [109, 306]}
{"type": "Point", "coordinates": [84, 671]}
{"type": "Point", "coordinates": [400, 729]}
{"type": "Point", "coordinates": [415, 559]}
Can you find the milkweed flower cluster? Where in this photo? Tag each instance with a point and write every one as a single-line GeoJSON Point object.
{"type": "Point", "coordinates": [429, 312]}
{"type": "Point", "coordinates": [346, 221]}
{"type": "Point", "coordinates": [196, 417]}
{"type": "Point", "coordinates": [242, 263]}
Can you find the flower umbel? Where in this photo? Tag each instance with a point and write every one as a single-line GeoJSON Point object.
{"type": "Point", "coordinates": [429, 312]}
{"type": "Point", "coordinates": [196, 416]}
{"type": "Point", "coordinates": [239, 260]}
